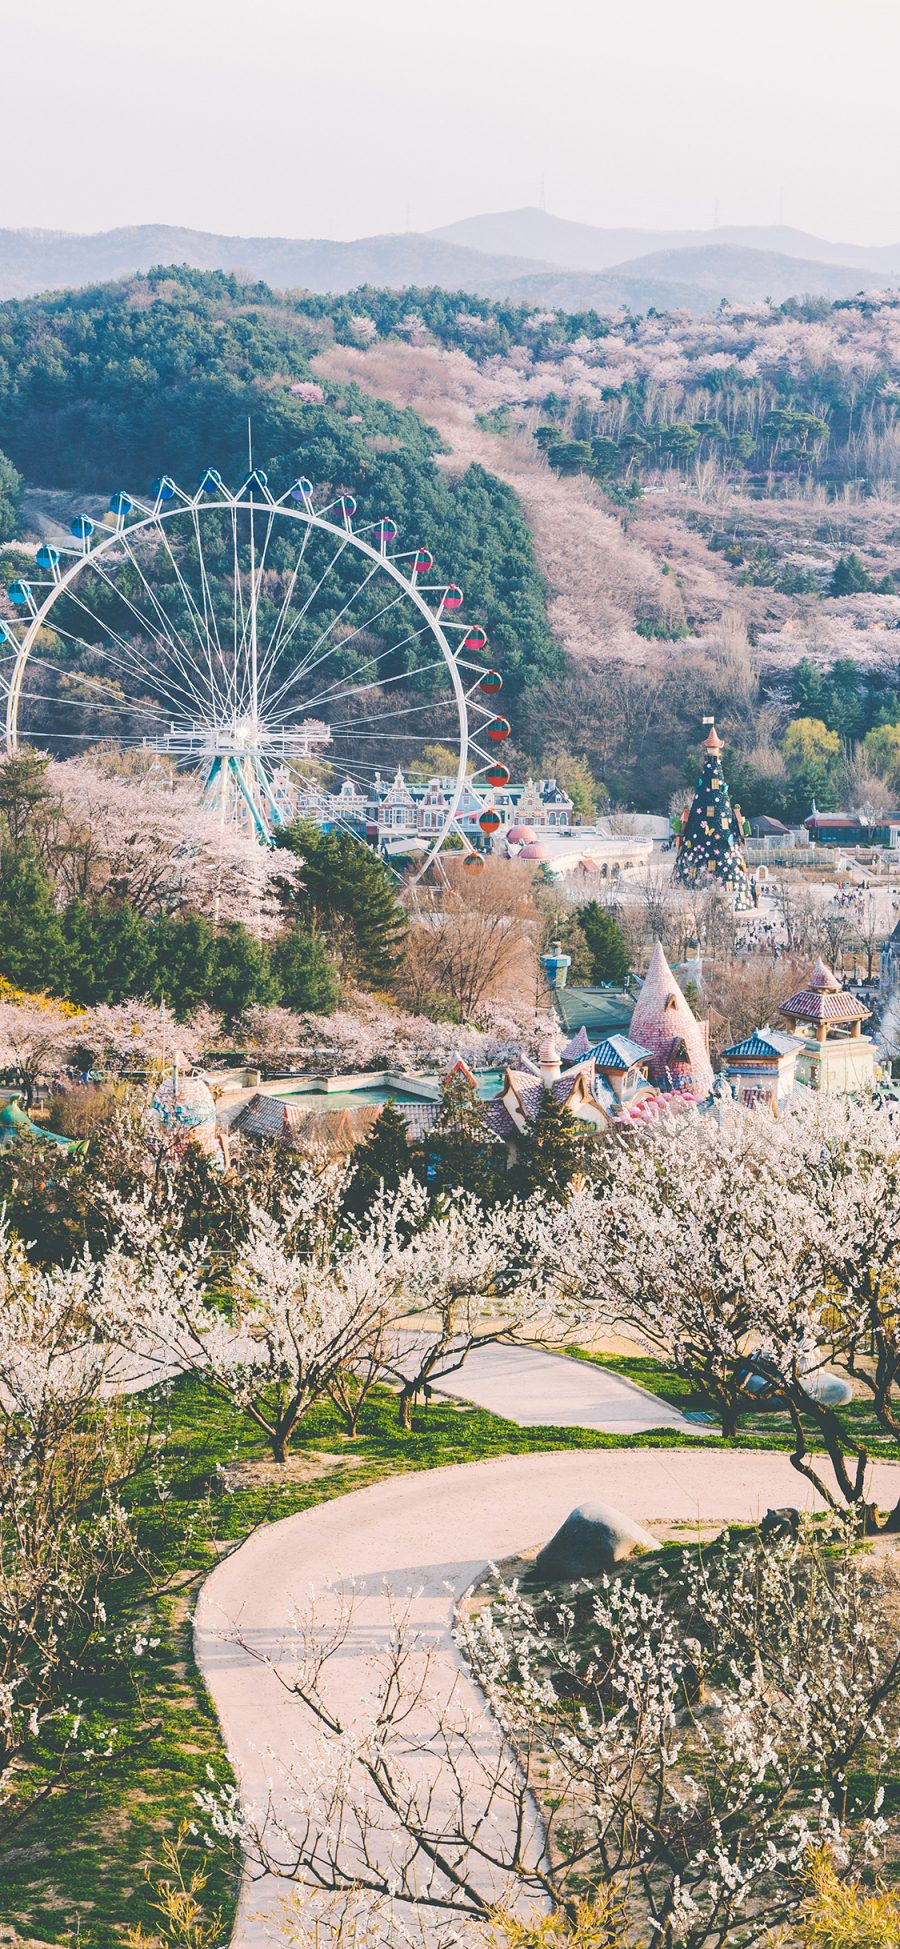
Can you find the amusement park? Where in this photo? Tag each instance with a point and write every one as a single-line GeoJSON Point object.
{"type": "Point", "coordinates": [449, 982]}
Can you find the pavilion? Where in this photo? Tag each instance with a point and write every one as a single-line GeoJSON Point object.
{"type": "Point", "coordinates": [834, 1054]}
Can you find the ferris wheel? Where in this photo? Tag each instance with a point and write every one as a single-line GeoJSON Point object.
{"type": "Point", "coordinates": [298, 663]}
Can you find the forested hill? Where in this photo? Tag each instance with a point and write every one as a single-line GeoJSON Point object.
{"type": "Point", "coordinates": [105, 389]}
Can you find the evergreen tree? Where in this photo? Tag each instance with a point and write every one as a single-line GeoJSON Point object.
{"type": "Point", "coordinates": [304, 972]}
{"type": "Point", "coordinates": [108, 954]}
{"type": "Point", "coordinates": [551, 1150]}
{"type": "Point", "coordinates": [183, 948]}
{"type": "Point", "coordinates": [32, 949]}
{"type": "Point", "coordinates": [606, 943]}
{"type": "Point", "coordinates": [23, 791]}
{"type": "Point", "coordinates": [460, 1151]}
{"type": "Point", "coordinates": [349, 894]}
{"type": "Point", "coordinates": [849, 576]}
{"type": "Point", "coordinates": [241, 973]}
{"type": "Point", "coordinates": [709, 843]}
{"type": "Point", "coordinates": [381, 1160]}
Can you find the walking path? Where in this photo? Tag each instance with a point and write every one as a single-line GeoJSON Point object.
{"type": "Point", "coordinates": [548, 1390]}
{"type": "Point", "coordinates": [429, 1534]}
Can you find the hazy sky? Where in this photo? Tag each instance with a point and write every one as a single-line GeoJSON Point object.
{"type": "Point", "coordinates": [310, 119]}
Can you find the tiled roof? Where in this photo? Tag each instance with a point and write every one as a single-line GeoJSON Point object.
{"type": "Point", "coordinates": [419, 1118]}
{"type": "Point", "coordinates": [619, 1052]}
{"type": "Point", "coordinates": [601, 1011]}
{"type": "Point", "coordinates": [765, 1042]}
{"type": "Point", "coordinates": [580, 1045]}
{"type": "Point", "coordinates": [824, 1000]}
{"type": "Point", "coordinates": [498, 1119]}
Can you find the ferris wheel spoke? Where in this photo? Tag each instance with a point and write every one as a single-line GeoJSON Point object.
{"type": "Point", "coordinates": [271, 651]}
{"type": "Point", "coordinates": [236, 607]}
{"type": "Point", "coordinates": [170, 640]}
{"type": "Point", "coordinates": [370, 663]}
{"type": "Point", "coordinates": [310, 661]}
{"type": "Point", "coordinates": [382, 717]}
{"type": "Point", "coordinates": [210, 619]}
{"type": "Point", "coordinates": [345, 690]}
{"type": "Point", "coordinates": [128, 661]}
{"type": "Point", "coordinates": [306, 668]}
{"type": "Point", "coordinates": [201, 631]}
{"type": "Point", "coordinates": [165, 643]}
{"type": "Point", "coordinates": [140, 706]}
{"type": "Point", "coordinates": [303, 611]}
{"type": "Point", "coordinates": [248, 648]}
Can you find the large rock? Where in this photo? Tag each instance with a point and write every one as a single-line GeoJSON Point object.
{"type": "Point", "coordinates": [828, 1388]}
{"type": "Point", "coordinates": [591, 1541]}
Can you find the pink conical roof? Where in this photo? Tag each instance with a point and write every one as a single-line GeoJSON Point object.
{"type": "Point", "coordinates": [663, 1023]}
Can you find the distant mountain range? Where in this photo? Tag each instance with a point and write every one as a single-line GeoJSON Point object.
{"type": "Point", "coordinates": [524, 254]}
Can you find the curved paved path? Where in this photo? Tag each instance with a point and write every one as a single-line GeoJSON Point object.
{"type": "Point", "coordinates": [537, 1389]}
{"type": "Point", "coordinates": [428, 1533]}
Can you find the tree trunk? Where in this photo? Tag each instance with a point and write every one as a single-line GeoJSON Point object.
{"type": "Point", "coordinates": [405, 1407]}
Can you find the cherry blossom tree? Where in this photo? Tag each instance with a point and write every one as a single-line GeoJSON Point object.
{"type": "Point", "coordinates": [147, 836]}
{"type": "Point", "coordinates": [309, 1298]}
{"type": "Point", "coordinates": [701, 1244]}
{"type": "Point", "coordinates": [66, 1538]}
{"type": "Point", "coordinates": [34, 1035]}
{"type": "Point", "coordinates": [668, 1744]}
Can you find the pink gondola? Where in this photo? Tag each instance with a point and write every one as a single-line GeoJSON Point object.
{"type": "Point", "coordinates": [452, 598]}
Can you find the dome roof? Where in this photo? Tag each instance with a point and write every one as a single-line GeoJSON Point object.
{"type": "Point", "coordinates": [187, 1104]}
{"type": "Point", "coordinates": [521, 835]}
{"type": "Point", "coordinates": [533, 850]}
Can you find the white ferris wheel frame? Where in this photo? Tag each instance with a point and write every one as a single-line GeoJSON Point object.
{"type": "Point", "coordinates": [296, 505]}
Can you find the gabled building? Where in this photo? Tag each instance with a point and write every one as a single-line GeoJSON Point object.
{"type": "Point", "coordinates": [763, 1066]}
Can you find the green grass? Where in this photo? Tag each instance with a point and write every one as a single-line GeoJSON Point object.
{"type": "Point", "coordinates": [761, 1427]}
{"type": "Point", "coordinates": [78, 1863]}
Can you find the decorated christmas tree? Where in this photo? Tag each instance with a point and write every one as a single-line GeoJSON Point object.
{"type": "Point", "coordinates": [709, 835]}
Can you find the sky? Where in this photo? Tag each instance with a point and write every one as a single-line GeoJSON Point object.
{"type": "Point", "coordinates": [304, 119]}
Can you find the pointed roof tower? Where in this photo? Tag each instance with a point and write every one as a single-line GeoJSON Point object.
{"type": "Point", "coordinates": [663, 1023]}
{"type": "Point", "coordinates": [709, 845]}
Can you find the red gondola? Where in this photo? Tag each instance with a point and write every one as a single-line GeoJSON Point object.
{"type": "Point", "coordinates": [489, 821]}
{"type": "Point", "coordinates": [473, 859]}
{"type": "Point", "coordinates": [497, 730]}
{"type": "Point", "coordinates": [491, 682]}
{"type": "Point", "coordinates": [497, 775]}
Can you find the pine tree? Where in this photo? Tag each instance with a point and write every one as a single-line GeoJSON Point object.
{"type": "Point", "coordinates": [381, 1160]}
{"type": "Point", "coordinates": [709, 845]}
{"type": "Point", "coordinates": [551, 1151]}
{"type": "Point", "coordinates": [460, 1151]}
{"type": "Point", "coordinates": [32, 950]}
{"type": "Point", "coordinates": [241, 972]}
{"type": "Point", "coordinates": [348, 893]}
{"type": "Point", "coordinates": [606, 943]}
{"type": "Point", "coordinates": [108, 952]}
{"type": "Point", "coordinates": [304, 972]}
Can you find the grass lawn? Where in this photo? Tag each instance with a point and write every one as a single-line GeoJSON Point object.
{"type": "Point", "coordinates": [761, 1427]}
{"type": "Point", "coordinates": [76, 1867]}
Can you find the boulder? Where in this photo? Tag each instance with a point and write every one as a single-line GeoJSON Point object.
{"type": "Point", "coordinates": [591, 1541]}
{"type": "Point", "coordinates": [830, 1390]}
